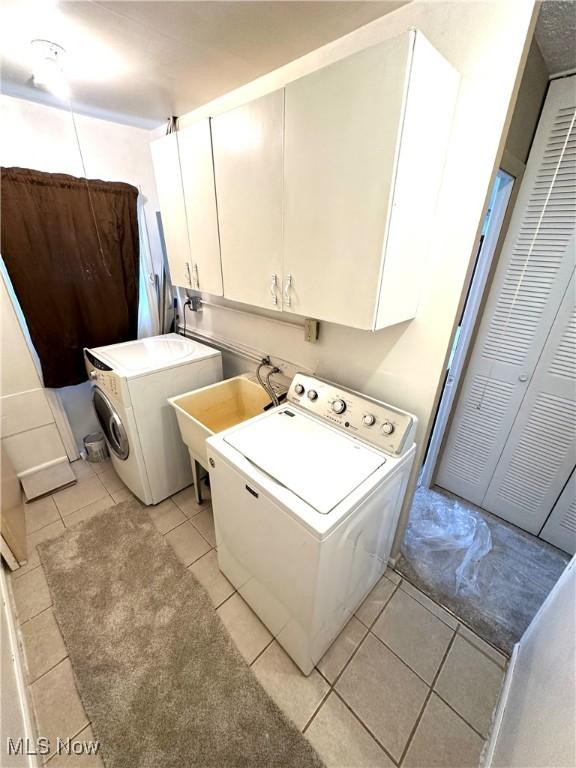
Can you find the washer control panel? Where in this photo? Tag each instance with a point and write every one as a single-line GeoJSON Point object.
{"type": "Point", "coordinates": [103, 376]}
{"type": "Point", "coordinates": [372, 421]}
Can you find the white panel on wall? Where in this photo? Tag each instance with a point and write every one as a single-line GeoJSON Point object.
{"type": "Point", "coordinates": [25, 410]}
{"type": "Point", "coordinates": [34, 448]}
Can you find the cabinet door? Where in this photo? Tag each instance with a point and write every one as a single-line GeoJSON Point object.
{"type": "Point", "coordinates": [195, 146]}
{"type": "Point", "coordinates": [248, 147]}
{"type": "Point", "coordinates": [342, 127]}
{"type": "Point", "coordinates": [170, 194]}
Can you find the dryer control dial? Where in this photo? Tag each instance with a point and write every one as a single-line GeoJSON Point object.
{"type": "Point", "coordinates": [312, 394]}
{"type": "Point", "coordinates": [368, 419]}
{"type": "Point", "coordinates": [339, 405]}
{"type": "Point", "coordinates": [299, 389]}
{"type": "Point", "coordinates": [387, 428]}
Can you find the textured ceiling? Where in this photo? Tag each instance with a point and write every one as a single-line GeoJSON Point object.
{"type": "Point", "coordinates": [556, 35]}
{"type": "Point", "coordinates": [139, 62]}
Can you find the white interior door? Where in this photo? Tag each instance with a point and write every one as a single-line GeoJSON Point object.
{"type": "Point", "coordinates": [248, 156]}
{"type": "Point", "coordinates": [532, 277]}
{"type": "Point", "coordinates": [540, 452]}
{"type": "Point", "coordinates": [195, 149]}
{"type": "Point", "coordinates": [560, 528]}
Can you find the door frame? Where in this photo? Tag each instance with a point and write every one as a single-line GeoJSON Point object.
{"type": "Point", "coordinates": [472, 314]}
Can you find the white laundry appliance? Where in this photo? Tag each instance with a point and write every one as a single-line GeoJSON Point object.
{"type": "Point", "coordinates": [131, 384]}
{"type": "Point", "coordinates": [306, 500]}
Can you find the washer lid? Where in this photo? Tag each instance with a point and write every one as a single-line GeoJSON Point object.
{"type": "Point", "coordinates": [311, 459]}
{"type": "Point", "coordinates": [152, 354]}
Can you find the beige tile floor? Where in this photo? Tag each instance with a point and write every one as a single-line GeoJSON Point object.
{"type": "Point", "coordinates": [404, 684]}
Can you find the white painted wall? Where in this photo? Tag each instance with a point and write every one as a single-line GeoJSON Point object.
{"type": "Point", "coordinates": [487, 42]}
{"type": "Point", "coordinates": [538, 713]}
{"type": "Point", "coordinates": [40, 137]}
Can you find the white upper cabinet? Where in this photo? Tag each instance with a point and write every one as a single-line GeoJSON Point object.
{"type": "Point", "coordinates": [195, 146]}
{"type": "Point", "coordinates": [365, 142]}
{"type": "Point", "coordinates": [170, 195]}
{"type": "Point", "coordinates": [248, 149]}
{"type": "Point", "coordinates": [317, 199]}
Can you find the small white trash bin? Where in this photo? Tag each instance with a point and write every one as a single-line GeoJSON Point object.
{"type": "Point", "coordinates": [95, 447]}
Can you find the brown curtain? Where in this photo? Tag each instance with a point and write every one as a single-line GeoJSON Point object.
{"type": "Point", "coordinates": [71, 249]}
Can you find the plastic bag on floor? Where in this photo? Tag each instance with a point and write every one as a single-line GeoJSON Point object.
{"type": "Point", "coordinates": [445, 539]}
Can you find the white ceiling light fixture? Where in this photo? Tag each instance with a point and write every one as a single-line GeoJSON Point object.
{"type": "Point", "coordinates": [49, 68]}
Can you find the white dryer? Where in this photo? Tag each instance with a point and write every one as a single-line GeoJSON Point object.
{"type": "Point", "coordinates": [306, 499]}
{"type": "Point", "coordinates": [131, 384]}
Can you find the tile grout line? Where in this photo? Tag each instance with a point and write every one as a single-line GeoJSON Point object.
{"type": "Point", "coordinates": [405, 663]}
{"type": "Point", "coordinates": [353, 654]}
{"type": "Point", "coordinates": [459, 714]}
{"type": "Point", "coordinates": [332, 685]}
{"type": "Point", "coordinates": [22, 575]}
{"type": "Point", "coordinates": [23, 623]}
{"type": "Point", "coordinates": [88, 724]}
{"type": "Point", "coordinates": [456, 619]}
{"type": "Point", "coordinates": [32, 682]}
{"type": "Point", "coordinates": [426, 700]}
{"type": "Point", "coordinates": [260, 653]}
{"type": "Point", "coordinates": [505, 659]}
{"type": "Point", "coordinates": [197, 531]}
{"type": "Point", "coordinates": [365, 727]}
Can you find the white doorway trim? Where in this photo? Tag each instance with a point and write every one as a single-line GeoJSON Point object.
{"type": "Point", "coordinates": [508, 177]}
{"type": "Point", "coordinates": [62, 423]}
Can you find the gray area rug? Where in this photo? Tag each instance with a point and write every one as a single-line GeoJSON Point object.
{"type": "Point", "coordinates": [159, 676]}
{"type": "Point", "coordinates": [510, 581]}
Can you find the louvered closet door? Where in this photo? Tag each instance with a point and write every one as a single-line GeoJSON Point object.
{"type": "Point", "coordinates": [560, 528]}
{"type": "Point", "coordinates": [531, 279]}
{"type": "Point", "coordinates": [539, 455]}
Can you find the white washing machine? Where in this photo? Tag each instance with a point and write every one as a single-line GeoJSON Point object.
{"type": "Point", "coordinates": [131, 384]}
{"type": "Point", "coordinates": [306, 500]}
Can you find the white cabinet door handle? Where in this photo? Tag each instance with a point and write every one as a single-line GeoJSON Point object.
{"type": "Point", "coordinates": [196, 278]}
{"type": "Point", "coordinates": [287, 286]}
{"type": "Point", "coordinates": [188, 275]}
{"type": "Point", "coordinates": [273, 286]}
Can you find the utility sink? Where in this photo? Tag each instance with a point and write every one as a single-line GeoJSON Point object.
{"type": "Point", "coordinates": [212, 409]}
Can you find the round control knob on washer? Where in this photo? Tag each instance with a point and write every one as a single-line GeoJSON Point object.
{"type": "Point", "coordinates": [368, 419]}
{"type": "Point", "coordinates": [339, 406]}
{"type": "Point", "coordinates": [312, 394]}
{"type": "Point", "coordinates": [387, 428]}
{"type": "Point", "coordinates": [299, 389]}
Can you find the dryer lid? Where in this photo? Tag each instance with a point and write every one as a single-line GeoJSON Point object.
{"type": "Point", "coordinates": [152, 354]}
{"type": "Point", "coordinates": [311, 459]}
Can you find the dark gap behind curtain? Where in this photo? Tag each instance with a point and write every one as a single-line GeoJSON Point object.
{"type": "Point", "coordinates": [71, 295]}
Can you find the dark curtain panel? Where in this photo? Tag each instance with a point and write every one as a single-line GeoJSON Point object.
{"type": "Point", "coordinates": [71, 249]}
